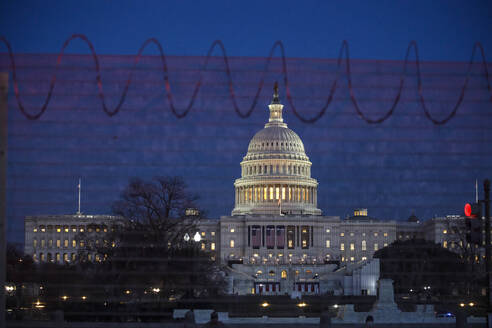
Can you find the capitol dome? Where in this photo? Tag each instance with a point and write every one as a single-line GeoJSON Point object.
{"type": "Point", "coordinates": [276, 173]}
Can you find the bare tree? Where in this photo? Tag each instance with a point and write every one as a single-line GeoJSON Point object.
{"type": "Point", "coordinates": [145, 250]}
{"type": "Point", "coordinates": [471, 254]}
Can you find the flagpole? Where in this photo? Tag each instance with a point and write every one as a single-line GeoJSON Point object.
{"type": "Point", "coordinates": [79, 186]}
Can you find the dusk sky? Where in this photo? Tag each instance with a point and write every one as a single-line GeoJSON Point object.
{"type": "Point", "coordinates": [444, 30]}
{"type": "Point", "coordinates": [404, 166]}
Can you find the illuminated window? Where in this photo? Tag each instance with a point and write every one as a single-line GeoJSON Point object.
{"type": "Point", "coordinates": [259, 272]}
{"type": "Point", "coordinates": [277, 192]}
{"type": "Point", "coordinates": [231, 243]}
{"type": "Point", "coordinates": [445, 244]}
{"type": "Point", "coordinates": [271, 273]}
{"type": "Point", "coordinates": [385, 244]}
{"type": "Point", "coordinates": [50, 243]}
{"type": "Point", "coordinates": [35, 243]}
{"type": "Point", "coordinates": [364, 245]}
{"type": "Point", "coordinates": [375, 234]}
{"type": "Point", "coordinates": [327, 230]}
{"type": "Point", "coordinates": [57, 257]}
{"type": "Point", "coordinates": [283, 275]}
{"type": "Point", "coordinates": [74, 243]}
{"type": "Point", "coordinates": [352, 259]}
{"type": "Point", "coordinates": [65, 228]}
{"type": "Point", "coordinates": [363, 234]}
{"type": "Point", "coordinates": [351, 234]}
{"type": "Point", "coordinates": [327, 243]}
{"type": "Point", "coordinates": [271, 193]}
{"type": "Point", "coordinates": [290, 191]}
{"type": "Point", "coordinates": [342, 234]}
{"type": "Point", "coordinates": [43, 243]}
{"type": "Point", "coordinates": [74, 228]}
{"type": "Point", "coordinates": [375, 246]}
{"type": "Point", "coordinates": [232, 230]}
{"type": "Point", "coordinates": [352, 246]}
{"type": "Point", "coordinates": [212, 246]}
{"type": "Point", "coordinates": [265, 193]}
{"type": "Point", "coordinates": [43, 229]}
{"type": "Point", "coordinates": [65, 243]}
{"type": "Point", "coordinates": [283, 192]}
{"type": "Point", "coordinates": [364, 258]}
{"type": "Point", "coordinates": [342, 246]}
{"type": "Point", "coordinates": [386, 234]}
{"type": "Point", "coordinates": [81, 229]}
{"type": "Point", "coordinates": [212, 233]}
{"type": "Point", "coordinates": [444, 231]}
{"type": "Point", "coordinates": [58, 243]}
{"type": "Point", "coordinates": [343, 258]}
{"type": "Point", "coordinates": [73, 256]}
{"type": "Point", "coordinates": [58, 229]}
{"type": "Point", "coordinates": [81, 243]}
{"type": "Point", "coordinates": [65, 257]}
{"type": "Point", "coordinates": [203, 246]}
{"type": "Point", "coordinates": [35, 230]}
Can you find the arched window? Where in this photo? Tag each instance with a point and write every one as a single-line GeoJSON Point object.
{"type": "Point", "coordinates": [271, 273]}
{"type": "Point", "coordinates": [283, 275]}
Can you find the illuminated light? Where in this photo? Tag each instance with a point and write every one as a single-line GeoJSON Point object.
{"type": "Point", "coordinates": [186, 237]}
{"type": "Point", "coordinates": [156, 290]}
{"type": "Point", "coordinates": [462, 304]}
{"type": "Point", "coordinates": [302, 304]}
{"type": "Point", "coordinates": [468, 209]}
{"type": "Point", "coordinates": [471, 304]}
{"type": "Point", "coordinates": [38, 305]}
{"type": "Point", "coordinates": [265, 304]}
{"type": "Point", "coordinates": [127, 292]}
{"type": "Point", "coordinates": [335, 306]}
{"type": "Point", "coordinates": [64, 297]}
{"type": "Point", "coordinates": [197, 237]}
{"type": "Point", "coordinates": [84, 297]}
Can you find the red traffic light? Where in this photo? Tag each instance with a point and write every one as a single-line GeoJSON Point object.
{"type": "Point", "coordinates": [473, 210]}
{"type": "Point", "coordinates": [468, 210]}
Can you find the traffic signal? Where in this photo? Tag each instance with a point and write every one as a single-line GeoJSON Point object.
{"type": "Point", "coordinates": [473, 210]}
{"type": "Point", "coordinates": [473, 213]}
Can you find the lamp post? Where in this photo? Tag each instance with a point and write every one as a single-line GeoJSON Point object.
{"type": "Point", "coordinates": [196, 239]}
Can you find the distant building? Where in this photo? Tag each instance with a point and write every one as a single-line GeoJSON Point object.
{"type": "Point", "coordinates": [53, 238]}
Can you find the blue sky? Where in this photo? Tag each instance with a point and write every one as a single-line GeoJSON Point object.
{"type": "Point", "coordinates": [444, 30]}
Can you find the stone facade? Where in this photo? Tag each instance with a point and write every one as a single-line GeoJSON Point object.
{"type": "Point", "coordinates": [53, 238]}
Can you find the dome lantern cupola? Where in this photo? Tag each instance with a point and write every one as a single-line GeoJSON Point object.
{"type": "Point", "coordinates": [276, 110]}
{"type": "Point", "coordinates": [276, 173]}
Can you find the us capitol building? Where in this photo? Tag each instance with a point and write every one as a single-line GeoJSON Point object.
{"type": "Point", "coordinates": [276, 240]}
